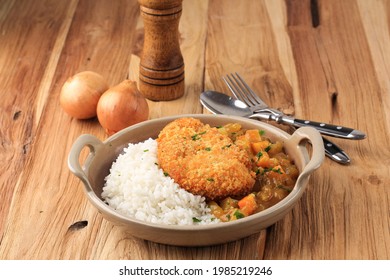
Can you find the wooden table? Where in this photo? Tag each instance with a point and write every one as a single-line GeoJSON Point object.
{"type": "Point", "coordinates": [326, 60]}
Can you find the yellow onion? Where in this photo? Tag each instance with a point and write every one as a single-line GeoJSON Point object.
{"type": "Point", "coordinates": [80, 94]}
{"type": "Point", "coordinates": [121, 106]}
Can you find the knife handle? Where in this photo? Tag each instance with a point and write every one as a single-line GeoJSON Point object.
{"type": "Point", "coordinates": [327, 129]}
{"type": "Point", "coordinates": [335, 153]}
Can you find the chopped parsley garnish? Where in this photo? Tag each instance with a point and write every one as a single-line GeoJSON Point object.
{"type": "Point", "coordinates": [272, 169]}
{"type": "Point", "coordinates": [210, 179]}
{"type": "Point", "coordinates": [197, 135]}
{"type": "Point", "coordinates": [147, 150]}
{"type": "Point", "coordinates": [166, 174]}
{"type": "Point", "coordinates": [265, 170]}
{"type": "Point", "coordinates": [267, 148]}
{"type": "Point", "coordinates": [261, 132]}
{"type": "Point", "coordinates": [227, 146]}
{"type": "Point", "coordinates": [259, 154]}
{"type": "Point", "coordinates": [284, 188]}
{"type": "Point", "coordinates": [238, 214]}
{"type": "Point", "coordinates": [207, 149]}
{"type": "Point", "coordinates": [196, 220]}
{"type": "Point", "coordinates": [277, 170]}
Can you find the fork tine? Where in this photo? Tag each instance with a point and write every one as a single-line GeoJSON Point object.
{"type": "Point", "coordinates": [253, 96]}
{"type": "Point", "coordinates": [230, 86]}
{"type": "Point", "coordinates": [235, 89]}
{"type": "Point", "coordinates": [243, 90]}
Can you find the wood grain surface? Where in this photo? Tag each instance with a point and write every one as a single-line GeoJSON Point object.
{"type": "Point", "coordinates": [321, 60]}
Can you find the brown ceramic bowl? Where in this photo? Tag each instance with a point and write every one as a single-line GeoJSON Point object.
{"type": "Point", "coordinates": [102, 154]}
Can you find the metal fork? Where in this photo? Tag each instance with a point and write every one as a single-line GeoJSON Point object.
{"type": "Point", "coordinates": [241, 91]}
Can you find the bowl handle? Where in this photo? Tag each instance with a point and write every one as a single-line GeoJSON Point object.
{"type": "Point", "coordinates": [85, 140]}
{"type": "Point", "coordinates": [318, 154]}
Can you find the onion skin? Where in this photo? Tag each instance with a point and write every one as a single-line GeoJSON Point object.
{"type": "Point", "coordinates": [80, 94]}
{"type": "Point", "coordinates": [121, 106]}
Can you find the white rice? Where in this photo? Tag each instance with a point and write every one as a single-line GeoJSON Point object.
{"type": "Point", "coordinates": [138, 188]}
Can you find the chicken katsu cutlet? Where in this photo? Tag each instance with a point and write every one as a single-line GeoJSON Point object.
{"type": "Point", "coordinates": [204, 161]}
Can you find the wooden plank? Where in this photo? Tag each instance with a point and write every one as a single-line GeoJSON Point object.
{"type": "Point", "coordinates": [248, 45]}
{"type": "Point", "coordinates": [44, 233]}
{"type": "Point", "coordinates": [24, 57]}
{"type": "Point", "coordinates": [338, 83]}
{"type": "Point", "coordinates": [375, 18]}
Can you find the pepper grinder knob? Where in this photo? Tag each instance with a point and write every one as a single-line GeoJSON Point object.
{"type": "Point", "coordinates": [161, 70]}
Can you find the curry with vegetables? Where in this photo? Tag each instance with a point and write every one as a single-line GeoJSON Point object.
{"type": "Point", "coordinates": [276, 174]}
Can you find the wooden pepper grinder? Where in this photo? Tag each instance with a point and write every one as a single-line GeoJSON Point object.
{"type": "Point", "coordinates": [161, 72]}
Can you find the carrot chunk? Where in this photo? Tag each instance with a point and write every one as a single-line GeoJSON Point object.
{"type": "Point", "coordinates": [265, 161]}
{"type": "Point", "coordinates": [248, 204]}
{"type": "Point", "coordinates": [253, 135]}
{"type": "Point", "coordinates": [260, 146]}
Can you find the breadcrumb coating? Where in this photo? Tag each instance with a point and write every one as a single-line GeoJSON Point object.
{"type": "Point", "coordinates": [204, 161]}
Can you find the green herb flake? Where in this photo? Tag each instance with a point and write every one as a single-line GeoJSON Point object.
{"type": "Point", "coordinates": [238, 214]}
{"type": "Point", "coordinates": [259, 154]}
{"type": "Point", "coordinates": [227, 146]}
{"type": "Point", "coordinates": [265, 170]}
{"type": "Point", "coordinates": [268, 148]}
{"type": "Point", "coordinates": [208, 149]}
{"type": "Point", "coordinates": [196, 220]}
{"type": "Point", "coordinates": [261, 132]}
{"type": "Point", "coordinates": [196, 136]}
{"type": "Point", "coordinates": [147, 150]}
{"type": "Point", "coordinates": [284, 188]}
{"type": "Point", "coordinates": [166, 174]}
{"type": "Point", "coordinates": [210, 179]}
{"type": "Point", "coordinates": [277, 170]}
